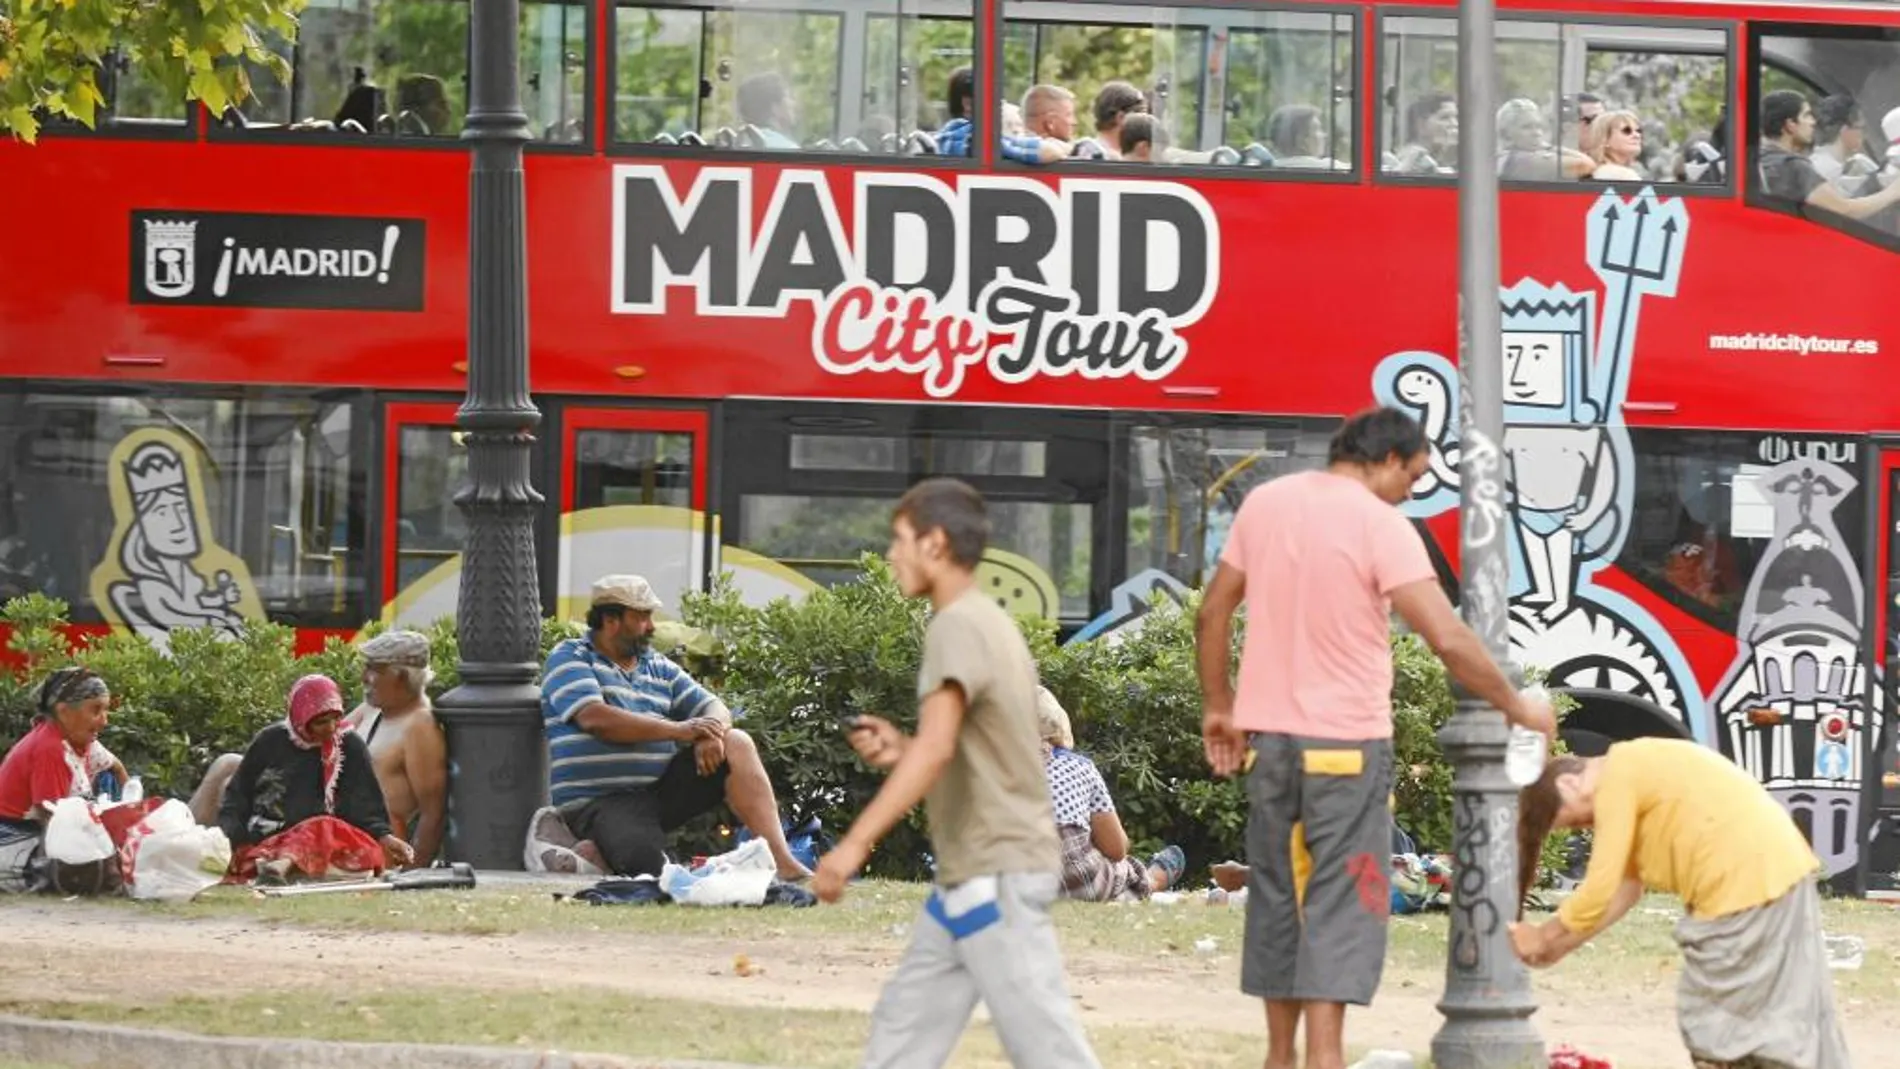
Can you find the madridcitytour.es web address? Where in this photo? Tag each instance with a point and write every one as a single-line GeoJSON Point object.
{"type": "Point", "coordinates": [1803, 344]}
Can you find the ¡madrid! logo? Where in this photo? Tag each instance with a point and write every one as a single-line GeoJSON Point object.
{"type": "Point", "coordinates": [1093, 278]}
{"type": "Point", "coordinates": [171, 257]}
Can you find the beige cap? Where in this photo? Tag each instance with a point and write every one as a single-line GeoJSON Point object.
{"type": "Point", "coordinates": [626, 591]}
{"type": "Point", "coordinates": [409, 649]}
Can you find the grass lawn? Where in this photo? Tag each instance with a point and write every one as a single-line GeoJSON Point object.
{"type": "Point", "coordinates": [1640, 950]}
{"type": "Point", "coordinates": [606, 1022]}
{"type": "Point", "coordinates": [1634, 961]}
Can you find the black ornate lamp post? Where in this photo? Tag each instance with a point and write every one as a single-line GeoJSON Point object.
{"type": "Point", "coordinates": [1488, 1002]}
{"type": "Point", "coordinates": [497, 760]}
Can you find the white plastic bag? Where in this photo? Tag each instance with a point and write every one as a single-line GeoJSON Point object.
{"type": "Point", "coordinates": [177, 864]}
{"type": "Point", "coordinates": [738, 878]}
{"type": "Point", "coordinates": [171, 857]}
{"type": "Point", "coordinates": [74, 835]}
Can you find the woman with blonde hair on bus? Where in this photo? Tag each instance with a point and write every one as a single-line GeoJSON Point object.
{"type": "Point", "coordinates": [1675, 816]}
{"type": "Point", "coordinates": [1617, 137]}
{"type": "Point", "coordinates": [1095, 862]}
{"type": "Point", "coordinates": [1525, 153]}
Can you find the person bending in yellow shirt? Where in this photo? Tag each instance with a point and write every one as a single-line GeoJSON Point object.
{"type": "Point", "coordinates": [1677, 817]}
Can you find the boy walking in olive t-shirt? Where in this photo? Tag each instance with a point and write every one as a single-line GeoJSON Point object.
{"type": "Point", "coordinates": [976, 763]}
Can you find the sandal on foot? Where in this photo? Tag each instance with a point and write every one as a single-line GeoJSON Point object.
{"type": "Point", "coordinates": [1171, 860]}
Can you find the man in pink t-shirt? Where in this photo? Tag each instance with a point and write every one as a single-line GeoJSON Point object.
{"type": "Point", "coordinates": [1321, 558]}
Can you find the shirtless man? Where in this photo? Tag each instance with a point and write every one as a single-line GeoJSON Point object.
{"type": "Point", "coordinates": [398, 723]}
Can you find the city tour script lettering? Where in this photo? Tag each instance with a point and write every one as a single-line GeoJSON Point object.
{"type": "Point", "coordinates": [1087, 277]}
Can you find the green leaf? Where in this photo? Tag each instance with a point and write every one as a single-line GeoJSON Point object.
{"type": "Point", "coordinates": [205, 86]}
{"type": "Point", "coordinates": [19, 120]}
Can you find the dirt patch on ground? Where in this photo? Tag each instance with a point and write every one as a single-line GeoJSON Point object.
{"type": "Point", "coordinates": [61, 953]}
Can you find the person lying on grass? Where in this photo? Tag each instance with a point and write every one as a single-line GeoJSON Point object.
{"type": "Point", "coordinates": [1677, 817]}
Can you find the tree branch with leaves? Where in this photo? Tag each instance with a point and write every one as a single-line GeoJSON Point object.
{"type": "Point", "coordinates": [52, 52]}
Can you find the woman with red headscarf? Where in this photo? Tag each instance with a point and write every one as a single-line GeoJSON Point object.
{"type": "Point", "coordinates": [305, 798]}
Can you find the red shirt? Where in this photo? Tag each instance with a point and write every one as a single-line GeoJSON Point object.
{"type": "Point", "coordinates": [35, 771]}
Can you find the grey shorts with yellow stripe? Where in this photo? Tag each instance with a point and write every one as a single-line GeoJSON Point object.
{"type": "Point", "coordinates": [1319, 844]}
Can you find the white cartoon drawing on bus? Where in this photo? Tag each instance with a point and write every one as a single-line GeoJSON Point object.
{"type": "Point", "coordinates": [1567, 457]}
{"type": "Point", "coordinates": [1793, 706]}
{"type": "Point", "coordinates": [163, 570]}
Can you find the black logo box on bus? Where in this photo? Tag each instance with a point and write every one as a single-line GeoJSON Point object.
{"type": "Point", "coordinates": [243, 260]}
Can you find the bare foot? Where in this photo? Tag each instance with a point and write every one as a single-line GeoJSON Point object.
{"type": "Point", "coordinates": [794, 873]}
{"type": "Point", "coordinates": [591, 854]}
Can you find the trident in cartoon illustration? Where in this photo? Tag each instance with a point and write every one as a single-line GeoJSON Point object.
{"type": "Point", "coordinates": [1568, 457]}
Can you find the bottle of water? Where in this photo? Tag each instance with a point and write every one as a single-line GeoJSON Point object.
{"type": "Point", "coordinates": [133, 792]}
{"type": "Point", "coordinates": [1525, 753]}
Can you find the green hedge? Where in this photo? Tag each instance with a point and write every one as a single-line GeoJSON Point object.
{"type": "Point", "coordinates": [789, 669]}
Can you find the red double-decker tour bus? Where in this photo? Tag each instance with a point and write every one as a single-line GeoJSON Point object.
{"type": "Point", "coordinates": [773, 280]}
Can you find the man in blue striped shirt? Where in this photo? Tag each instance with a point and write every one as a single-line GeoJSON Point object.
{"type": "Point", "coordinates": [954, 138]}
{"type": "Point", "coordinates": [636, 747]}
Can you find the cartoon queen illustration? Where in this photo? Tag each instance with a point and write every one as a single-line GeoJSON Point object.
{"type": "Point", "coordinates": [163, 571]}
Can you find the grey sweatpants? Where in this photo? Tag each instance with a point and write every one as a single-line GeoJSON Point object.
{"type": "Point", "coordinates": [989, 938]}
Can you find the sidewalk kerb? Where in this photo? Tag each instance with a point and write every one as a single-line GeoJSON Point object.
{"type": "Point", "coordinates": [85, 1046]}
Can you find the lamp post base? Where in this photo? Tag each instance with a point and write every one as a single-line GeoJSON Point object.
{"type": "Point", "coordinates": [1486, 1034]}
{"type": "Point", "coordinates": [498, 768]}
{"type": "Point", "coordinates": [1488, 1001]}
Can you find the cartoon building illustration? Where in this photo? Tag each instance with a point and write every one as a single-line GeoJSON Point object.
{"type": "Point", "coordinates": [163, 569]}
{"type": "Point", "coordinates": [1567, 458]}
{"type": "Point", "coordinates": [1793, 707]}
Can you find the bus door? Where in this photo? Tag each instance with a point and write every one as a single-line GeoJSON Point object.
{"type": "Point", "coordinates": [420, 536]}
{"type": "Point", "coordinates": [1884, 787]}
{"type": "Point", "coordinates": [632, 486]}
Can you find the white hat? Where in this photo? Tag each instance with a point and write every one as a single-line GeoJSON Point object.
{"type": "Point", "coordinates": [627, 592]}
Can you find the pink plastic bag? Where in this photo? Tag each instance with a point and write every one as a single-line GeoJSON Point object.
{"type": "Point", "coordinates": [1568, 1057]}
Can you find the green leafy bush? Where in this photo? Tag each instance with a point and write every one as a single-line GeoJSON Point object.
{"type": "Point", "coordinates": [790, 670]}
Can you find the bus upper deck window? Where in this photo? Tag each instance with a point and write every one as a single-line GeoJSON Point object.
{"type": "Point", "coordinates": [785, 78]}
{"type": "Point", "coordinates": [1081, 81]}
